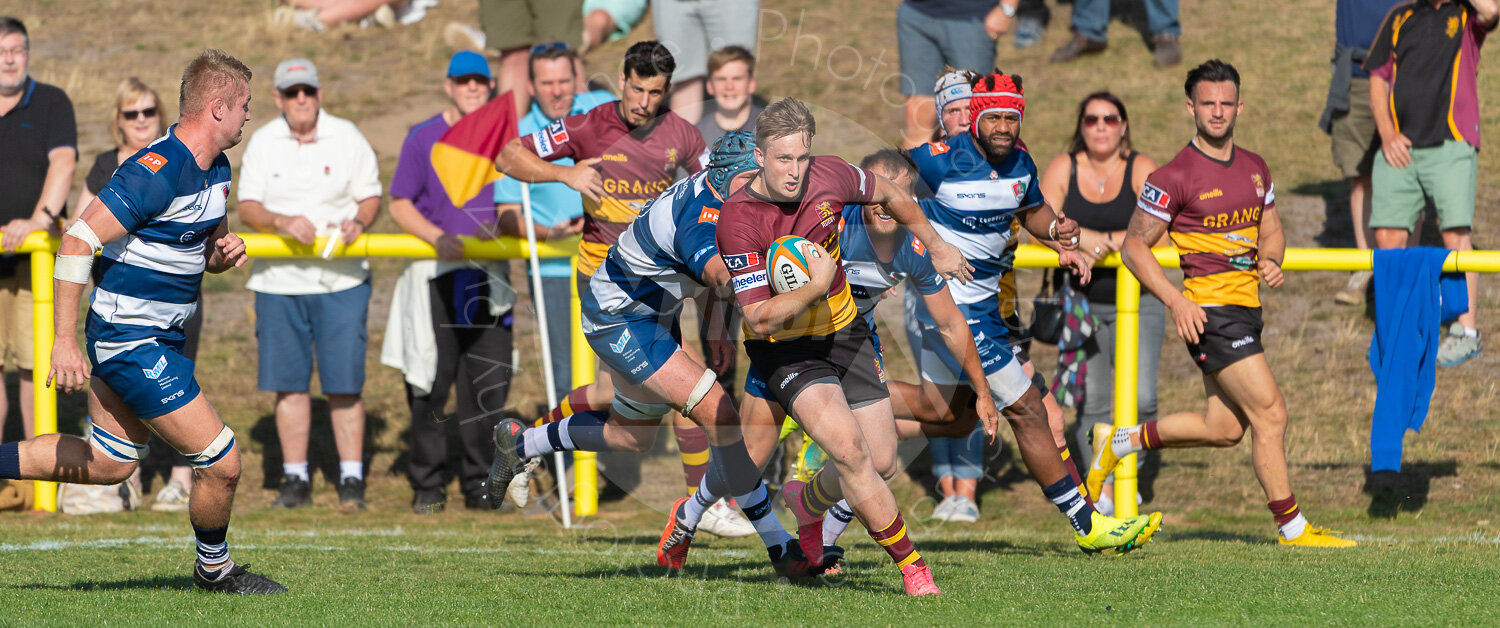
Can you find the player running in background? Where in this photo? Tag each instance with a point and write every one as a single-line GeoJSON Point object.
{"type": "Point", "coordinates": [160, 224]}
{"type": "Point", "coordinates": [630, 317]}
{"type": "Point", "coordinates": [981, 183]}
{"type": "Point", "coordinates": [627, 153]}
{"type": "Point", "coordinates": [1218, 204]}
{"type": "Point", "coordinates": [809, 345]}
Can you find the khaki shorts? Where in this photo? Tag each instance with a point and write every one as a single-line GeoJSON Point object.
{"type": "Point", "coordinates": [511, 24]}
{"type": "Point", "coordinates": [15, 317]}
{"type": "Point", "coordinates": [1445, 174]}
{"type": "Point", "coordinates": [1355, 138]}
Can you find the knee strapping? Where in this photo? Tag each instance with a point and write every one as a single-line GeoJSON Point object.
{"type": "Point", "coordinates": [215, 451]}
{"type": "Point", "coordinates": [700, 390]}
{"type": "Point", "coordinates": [632, 410]}
{"type": "Point", "coordinates": [116, 448]}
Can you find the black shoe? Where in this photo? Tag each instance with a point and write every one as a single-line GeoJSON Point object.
{"type": "Point", "coordinates": [506, 461]}
{"type": "Point", "coordinates": [792, 565]}
{"type": "Point", "coordinates": [351, 495]}
{"type": "Point", "coordinates": [429, 502]}
{"type": "Point", "coordinates": [1077, 47]}
{"type": "Point", "coordinates": [237, 580]}
{"type": "Point", "coordinates": [1167, 51]}
{"type": "Point", "coordinates": [295, 493]}
{"type": "Point", "coordinates": [479, 501]}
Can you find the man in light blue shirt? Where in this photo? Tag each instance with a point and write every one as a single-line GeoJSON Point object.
{"type": "Point", "coordinates": [556, 208]}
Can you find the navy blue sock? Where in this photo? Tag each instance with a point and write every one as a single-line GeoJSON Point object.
{"type": "Point", "coordinates": [10, 461]}
{"type": "Point", "coordinates": [213, 549]}
{"type": "Point", "coordinates": [1064, 493]}
{"type": "Point", "coordinates": [583, 431]}
{"type": "Point", "coordinates": [731, 464]}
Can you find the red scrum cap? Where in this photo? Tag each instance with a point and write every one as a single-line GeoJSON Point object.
{"type": "Point", "coordinates": [996, 92]}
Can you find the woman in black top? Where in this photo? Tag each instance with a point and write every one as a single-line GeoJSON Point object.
{"type": "Point", "coordinates": [1096, 183]}
{"type": "Point", "coordinates": [139, 120]}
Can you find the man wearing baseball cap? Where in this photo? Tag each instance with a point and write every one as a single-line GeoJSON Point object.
{"type": "Point", "coordinates": [470, 305]}
{"type": "Point", "coordinates": [308, 174]}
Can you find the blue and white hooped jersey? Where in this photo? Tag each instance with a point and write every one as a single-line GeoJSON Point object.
{"type": "Point", "coordinates": [869, 277]}
{"type": "Point", "coordinates": [973, 205]}
{"type": "Point", "coordinates": [147, 282]}
{"type": "Point", "coordinates": [658, 261]}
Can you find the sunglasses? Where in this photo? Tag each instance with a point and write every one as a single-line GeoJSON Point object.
{"type": "Point", "coordinates": [148, 113]}
{"type": "Point", "coordinates": [470, 78]}
{"type": "Point", "coordinates": [291, 93]}
{"type": "Point", "coordinates": [548, 47]}
{"type": "Point", "coordinates": [1109, 120]}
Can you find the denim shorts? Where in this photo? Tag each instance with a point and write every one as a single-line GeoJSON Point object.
{"type": "Point", "coordinates": [292, 328]}
{"type": "Point", "coordinates": [926, 43]}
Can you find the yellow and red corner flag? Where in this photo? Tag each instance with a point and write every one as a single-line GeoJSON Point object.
{"type": "Point", "coordinates": [464, 157]}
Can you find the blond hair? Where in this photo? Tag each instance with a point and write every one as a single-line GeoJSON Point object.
{"type": "Point", "coordinates": [784, 117]}
{"type": "Point", "coordinates": [723, 56]}
{"type": "Point", "coordinates": [129, 91]}
{"type": "Point", "coordinates": [212, 74]}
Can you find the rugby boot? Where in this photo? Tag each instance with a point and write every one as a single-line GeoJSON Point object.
{"type": "Point", "coordinates": [236, 579]}
{"type": "Point", "coordinates": [672, 550]}
{"type": "Point", "coordinates": [791, 565]}
{"type": "Point", "coordinates": [1314, 536]}
{"type": "Point", "coordinates": [918, 580]}
{"type": "Point", "coordinates": [809, 525]}
{"type": "Point", "coordinates": [724, 521]}
{"type": "Point", "coordinates": [1105, 459]}
{"type": "Point", "coordinates": [833, 566]}
{"type": "Point", "coordinates": [506, 463]}
{"type": "Point", "coordinates": [1114, 537]}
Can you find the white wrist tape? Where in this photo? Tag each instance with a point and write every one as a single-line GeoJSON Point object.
{"type": "Point", "coordinates": [83, 231]}
{"type": "Point", "coordinates": [73, 268]}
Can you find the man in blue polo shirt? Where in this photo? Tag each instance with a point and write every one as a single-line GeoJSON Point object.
{"type": "Point", "coordinates": [556, 208]}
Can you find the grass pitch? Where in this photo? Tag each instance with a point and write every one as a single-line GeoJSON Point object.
{"type": "Point", "coordinates": [473, 568]}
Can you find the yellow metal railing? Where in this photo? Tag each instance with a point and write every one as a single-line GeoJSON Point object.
{"type": "Point", "coordinates": [585, 470]}
{"type": "Point", "coordinates": [260, 245]}
{"type": "Point", "coordinates": [1127, 323]}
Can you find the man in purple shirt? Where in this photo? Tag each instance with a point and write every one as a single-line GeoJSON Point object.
{"type": "Point", "coordinates": [470, 305]}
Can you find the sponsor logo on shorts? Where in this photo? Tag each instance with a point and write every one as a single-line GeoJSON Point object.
{"type": "Point", "coordinates": [152, 161]}
{"type": "Point", "coordinates": [879, 369]}
{"type": "Point", "coordinates": [1247, 340]}
{"type": "Point", "coordinates": [618, 345]}
{"type": "Point", "coordinates": [168, 398]}
{"type": "Point", "coordinates": [788, 379]}
{"type": "Point", "coordinates": [741, 261]}
{"type": "Point", "coordinates": [750, 281]}
{"type": "Point", "coordinates": [637, 368]}
{"type": "Point", "coordinates": [156, 371]}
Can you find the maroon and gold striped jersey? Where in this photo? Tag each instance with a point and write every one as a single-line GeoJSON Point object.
{"type": "Point", "coordinates": [1212, 209]}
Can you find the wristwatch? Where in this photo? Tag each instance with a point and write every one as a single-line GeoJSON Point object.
{"type": "Point", "coordinates": [1008, 10]}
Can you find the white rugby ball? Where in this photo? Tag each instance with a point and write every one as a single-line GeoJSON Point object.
{"type": "Point", "coordinates": [786, 263]}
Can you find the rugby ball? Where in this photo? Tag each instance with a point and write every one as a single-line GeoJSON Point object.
{"type": "Point", "coordinates": [786, 263]}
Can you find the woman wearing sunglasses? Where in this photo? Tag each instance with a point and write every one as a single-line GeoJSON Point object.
{"type": "Point", "coordinates": [138, 120]}
{"type": "Point", "coordinates": [1096, 183]}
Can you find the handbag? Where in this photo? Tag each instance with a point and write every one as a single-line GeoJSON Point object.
{"type": "Point", "coordinates": [1048, 312]}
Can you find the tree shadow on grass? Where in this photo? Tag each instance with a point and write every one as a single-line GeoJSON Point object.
{"type": "Point", "coordinates": [1392, 492]}
{"type": "Point", "coordinates": [159, 583]}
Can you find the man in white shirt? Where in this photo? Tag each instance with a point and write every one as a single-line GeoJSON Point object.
{"type": "Point", "coordinates": [308, 174]}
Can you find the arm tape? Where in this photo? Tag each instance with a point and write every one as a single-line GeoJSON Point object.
{"type": "Point", "coordinates": [73, 268]}
{"type": "Point", "coordinates": [83, 231]}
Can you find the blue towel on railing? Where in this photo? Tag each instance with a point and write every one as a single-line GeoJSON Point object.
{"type": "Point", "coordinates": [1411, 303]}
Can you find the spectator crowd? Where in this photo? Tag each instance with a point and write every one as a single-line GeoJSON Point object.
{"type": "Point", "coordinates": [1402, 115]}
